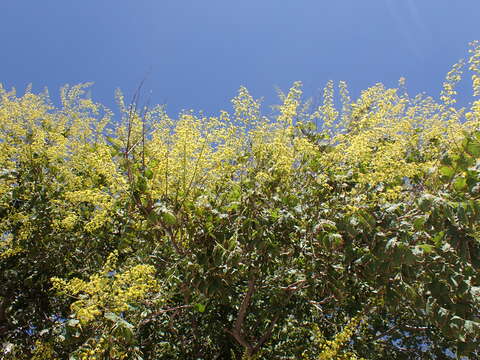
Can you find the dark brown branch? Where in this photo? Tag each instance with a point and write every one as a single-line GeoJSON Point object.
{"type": "Point", "coordinates": [237, 331]}
{"type": "Point", "coordinates": [3, 307]}
{"type": "Point", "coordinates": [173, 240]}
{"type": "Point", "coordinates": [291, 289]}
{"type": "Point", "coordinates": [3, 316]}
{"type": "Point", "coordinates": [267, 334]}
{"type": "Point", "coordinates": [243, 307]}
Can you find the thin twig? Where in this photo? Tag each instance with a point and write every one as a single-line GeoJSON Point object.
{"type": "Point", "coordinates": [154, 315]}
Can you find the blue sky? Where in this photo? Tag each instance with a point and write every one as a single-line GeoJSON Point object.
{"type": "Point", "coordinates": [198, 53]}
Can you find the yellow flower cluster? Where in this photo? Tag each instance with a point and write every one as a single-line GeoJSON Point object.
{"type": "Point", "coordinates": [97, 349]}
{"type": "Point", "coordinates": [246, 108]}
{"type": "Point", "coordinates": [108, 291]}
{"type": "Point", "coordinates": [453, 77]}
{"type": "Point", "coordinates": [474, 62]}
{"type": "Point", "coordinates": [65, 146]}
{"type": "Point", "coordinates": [332, 349]}
{"type": "Point", "coordinates": [7, 248]}
{"type": "Point", "coordinates": [105, 347]}
{"type": "Point", "coordinates": [43, 351]}
{"type": "Point", "coordinates": [194, 153]}
{"type": "Point", "coordinates": [288, 110]}
{"type": "Point", "coordinates": [327, 113]}
{"type": "Point", "coordinates": [385, 130]}
{"type": "Point", "coordinates": [103, 205]}
{"type": "Point", "coordinates": [383, 137]}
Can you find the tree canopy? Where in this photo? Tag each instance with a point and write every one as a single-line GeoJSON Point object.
{"type": "Point", "coordinates": [344, 231]}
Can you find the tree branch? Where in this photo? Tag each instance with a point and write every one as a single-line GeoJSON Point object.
{"type": "Point", "coordinates": [154, 315]}
{"type": "Point", "coordinates": [237, 331]}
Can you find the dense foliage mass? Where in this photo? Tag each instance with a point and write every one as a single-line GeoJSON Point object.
{"type": "Point", "coordinates": [337, 232]}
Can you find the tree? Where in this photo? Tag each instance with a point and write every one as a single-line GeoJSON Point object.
{"type": "Point", "coordinates": [241, 235]}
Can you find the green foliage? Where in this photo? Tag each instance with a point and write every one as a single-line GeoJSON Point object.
{"type": "Point", "coordinates": [241, 236]}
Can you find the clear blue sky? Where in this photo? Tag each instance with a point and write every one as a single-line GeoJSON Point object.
{"type": "Point", "coordinates": [200, 52]}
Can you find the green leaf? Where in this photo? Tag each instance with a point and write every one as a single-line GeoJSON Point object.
{"type": "Point", "coordinates": [427, 248]}
{"type": "Point", "coordinates": [73, 322]}
{"type": "Point", "coordinates": [442, 314]}
{"type": "Point", "coordinates": [111, 316]}
{"type": "Point", "coordinates": [473, 148]}
{"type": "Point", "coordinates": [438, 238]}
{"type": "Point", "coordinates": [456, 323]}
{"type": "Point", "coordinates": [148, 173]}
{"type": "Point", "coordinates": [335, 240]}
{"type": "Point", "coordinates": [117, 319]}
{"type": "Point", "coordinates": [169, 218]}
{"type": "Point", "coordinates": [471, 327]}
{"type": "Point", "coordinates": [475, 291]}
{"type": "Point", "coordinates": [419, 222]}
{"type": "Point", "coordinates": [447, 171]}
{"type": "Point", "coordinates": [200, 307]}
{"type": "Point", "coordinates": [142, 184]}
{"type": "Point", "coordinates": [460, 183]}
{"type": "Point", "coordinates": [446, 160]}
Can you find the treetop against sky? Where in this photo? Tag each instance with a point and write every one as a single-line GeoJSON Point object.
{"type": "Point", "coordinates": [197, 54]}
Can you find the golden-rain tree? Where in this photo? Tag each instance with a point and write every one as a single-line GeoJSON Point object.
{"type": "Point", "coordinates": [241, 235]}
